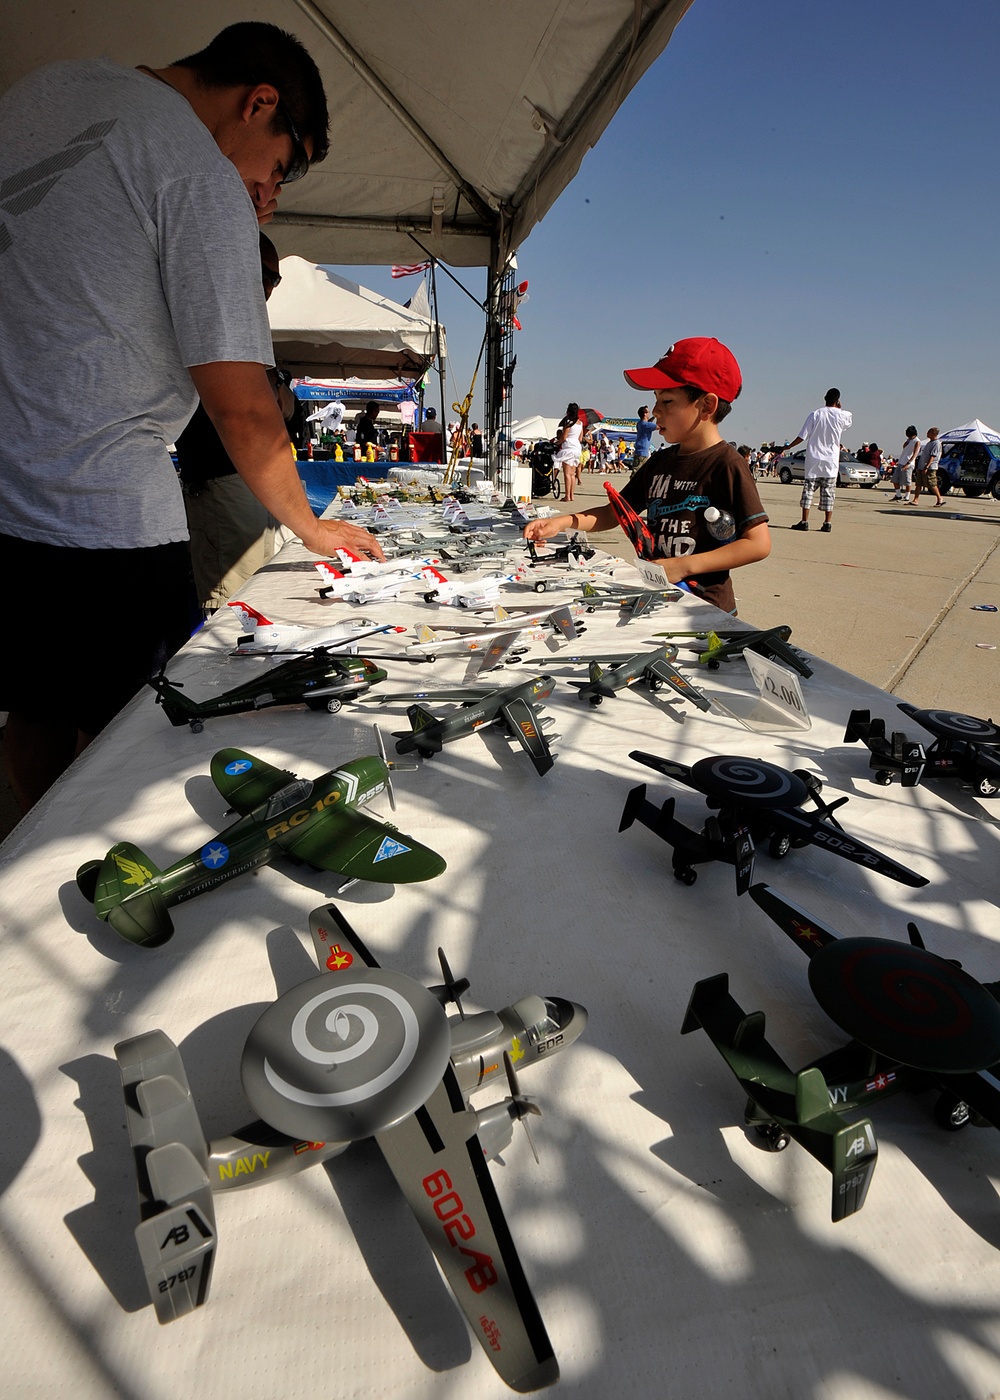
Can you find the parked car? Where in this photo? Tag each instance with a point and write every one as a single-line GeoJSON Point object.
{"type": "Point", "coordinates": [975, 466]}
{"type": "Point", "coordinates": [851, 472]}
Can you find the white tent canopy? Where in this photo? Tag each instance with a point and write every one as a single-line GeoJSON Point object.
{"type": "Point", "coordinates": [324, 326]}
{"type": "Point", "coordinates": [460, 121]}
{"type": "Point", "coordinates": [533, 428]}
{"type": "Point", "coordinates": [973, 431]}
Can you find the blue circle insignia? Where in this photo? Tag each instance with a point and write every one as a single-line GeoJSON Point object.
{"type": "Point", "coordinates": [214, 855]}
{"type": "Point", "coordinates": [238, 765]}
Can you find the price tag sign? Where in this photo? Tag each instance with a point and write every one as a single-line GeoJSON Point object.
{"type": "Point", "coordinates": [779, 690]}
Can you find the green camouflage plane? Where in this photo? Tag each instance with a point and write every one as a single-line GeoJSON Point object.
{"type": "Point", "coordinates": [316, 820]}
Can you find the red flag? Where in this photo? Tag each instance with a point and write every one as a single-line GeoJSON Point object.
{"type": "Point", "coordinates": [408, 269]}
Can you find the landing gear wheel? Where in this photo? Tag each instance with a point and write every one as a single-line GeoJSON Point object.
{"type": "Point", "coordinates": [779, 846]}
{"type": "Point", "coordinates": [987, 787]}
{"type": "Point", "coordinates": [883, 777]}
{"type": "Point", "coordinates": [597, 699]}
{"type": "Point", "coordinates": [714, 665]}
{"type": "Point", "coordinates": [687, 876]}
{"type": "Point", "coordinates": [654, 684]}
{"type": "Point", "coordinates": [429, 597]}
{"type": "Point", "coordinates": [333, 705]}
{"type": "Point", "coordinates": [772, 1136]}
{"type": "Point", "coordinates": [86, 879]}
{"type": "Point", "coordinates": [539, 587]}
{"type": "Point", "coordinates": [197, 726]}
{"type": "Point", "coordinates": [951, 1114]}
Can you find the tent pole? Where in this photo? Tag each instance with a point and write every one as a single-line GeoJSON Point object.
{"type": "Point", "coordinates": [437, 356]}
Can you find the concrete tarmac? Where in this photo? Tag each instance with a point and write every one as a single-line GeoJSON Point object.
{"type": "Point", "coordinates": [888, 594]}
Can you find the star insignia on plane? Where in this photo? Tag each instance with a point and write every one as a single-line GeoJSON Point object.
{"type": "Point", "coordinates": [239, 765]}
{"type": "Point", "coordinates": [807, 934]}
{"type": "Point", "coordinates": [215, 855]}
{"type": "Point", "coordinates": [338, 959]}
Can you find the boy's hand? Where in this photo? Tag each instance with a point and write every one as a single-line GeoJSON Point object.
{"type": "Point", "coordinates": [675, 569]}
{"type": "Point", "coordinates": [542, 529]}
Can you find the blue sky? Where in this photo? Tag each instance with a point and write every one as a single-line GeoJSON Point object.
{"type": "Point", "coordinates": [816, 185]}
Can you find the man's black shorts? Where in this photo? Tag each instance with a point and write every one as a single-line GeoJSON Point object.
{"type": "Point", "coordinates": [83, 629]}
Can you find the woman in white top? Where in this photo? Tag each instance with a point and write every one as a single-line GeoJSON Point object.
{"type": "Point", "coordinates": [902, 475]}
{"type": "Point", "coordinates": [569, 444]}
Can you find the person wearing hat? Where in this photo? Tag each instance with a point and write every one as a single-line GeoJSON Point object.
{"type": "Point", "coordinates": [695, 384]}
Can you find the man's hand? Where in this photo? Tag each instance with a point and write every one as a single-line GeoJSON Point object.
{"type": "Point", "coordinates": [331, 535]}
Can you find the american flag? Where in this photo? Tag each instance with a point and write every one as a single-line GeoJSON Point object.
{"type": "Point", "coordinates": [408, 269]}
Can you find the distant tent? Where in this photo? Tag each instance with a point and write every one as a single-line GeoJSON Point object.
{"type": "Point", "coordinates": [973, 431]}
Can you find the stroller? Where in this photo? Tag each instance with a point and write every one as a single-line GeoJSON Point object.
{"type": "Point", "coordinates": [544, 477]}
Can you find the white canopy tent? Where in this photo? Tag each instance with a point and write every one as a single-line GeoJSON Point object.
{"type": "Point", "coordinates": [325, 326]}
{"type": "Point", "coordinates": [973, 431]}
{"type": "Point", "coordinates": [533, 428]}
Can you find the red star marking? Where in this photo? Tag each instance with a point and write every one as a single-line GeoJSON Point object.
{"type": "Point", "coordinates": [338, 959]}
{"type": "Point", "coordinates": [803, 931]}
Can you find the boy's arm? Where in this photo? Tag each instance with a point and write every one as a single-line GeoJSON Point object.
{"type": "Point", "coordinates": [601, 518]}
{"type": "Point", "coordinates": [752, 545]}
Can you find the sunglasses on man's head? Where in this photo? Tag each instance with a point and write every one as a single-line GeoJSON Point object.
{"type": "Point", "coordinates": [269, 278]}
{"type": "Point", "coordinates": [299, 164]}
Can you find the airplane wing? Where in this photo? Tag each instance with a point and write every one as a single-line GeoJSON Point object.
{"type": "Point", "coordinates": [523, 724]}
{"type": "Point", "coordinates": [496, 651]}
{"type": "Point", "coordinates": [360, 847]}
{"type": "Point", "coordinates": [666, 673]}
{"type": "Point", "coordinates": [244, 781]}
{"type": "Point", "coordinates": [801, 927]}
{"type": "Point", "coordinates": [799, 826]}
{"type": "Point", "coordinates": [667, 766]}
{"type": "Point", "coordinates": [439, 1163]}
{"type": "Point", "coordinates": [563, 621]}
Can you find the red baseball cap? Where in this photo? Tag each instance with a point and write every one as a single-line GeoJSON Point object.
{"type": "Point", "coordinates": [701, 361]}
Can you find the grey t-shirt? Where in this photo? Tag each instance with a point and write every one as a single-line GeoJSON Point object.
{"type": "Point", "coordinates": [128, 251]}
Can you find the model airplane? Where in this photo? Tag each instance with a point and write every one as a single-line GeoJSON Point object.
{"type": "Point", "coordinates": [371, 588]}
{"type": "Point", "coordinates": [632, 603]}
{"type": "Point", "coordinates": [317, 820]}
{"type": "Point", "coordinates": [726, 644]}
{"type": "Point", "coordinates": [516, 707]}
{"type": "Point", "coordinates": [464, 595]}
{"type": "Point", "coordinates": [262, 636]}
{"type": "Point", "coordinates": [322, 679]}
{"type": "Point", "coordinates": [356, 1052]}
{"type": "Point", "coordinates": [366, 568]}
{"type": "Point", "coordinates": [915, 1021]}
{"type": "Point", "coordinates": [755, 802]}
{"type": "Point", "coordinates": [492, 647]}
{"type": "Point", "coordinates": [964, 747]}
{"type": "Point", "coordinates": [651, 668]}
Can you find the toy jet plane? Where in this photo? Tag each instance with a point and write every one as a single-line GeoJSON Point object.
{"type": "Point", "coordinates": [359, 1051]}
{"type": "Point", "coordinates": [915, 1021]}
{"type": "Point", "coordinates": [516, 707]}
{"type": "Point", "coordinates": [322, 679]}
{"type": "Point", "coordinates": [651, 668]}
{"type": "Point", "coordinates": [491, 647]}
{"type": "Point", "coordinates": [632, 603]}
{"type": "Point", "coordinates": [370, 588]}
{"type": "Point", "coordinates": [754, 800]}
{"type": "Point", "coordinates": [263, 636]}
{"type": "Point", "coordinates": [316, 820]}
{"type": "Point", "coordinates": [964, 747]}
{"type": "Point", "coordinates": [727, 643]}
{"type": "Point", "coordinates": [464, 595]}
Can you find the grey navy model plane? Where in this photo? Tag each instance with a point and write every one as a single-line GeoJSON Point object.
{"type": "Point", "coordinates": [916, 1021]}
{"type": "Point", "coordinates": [516, 707]}
{"type": "Point", "coordinates": [650, 668]}
{"type": "Point", "coordinates": [727, 644]}
{"type": "Point", "coordinates": [356, 1052]}
{"type": "Point", "coordinates": [315, 820]}
{"type": "Point", "coordinates": [753, 802]}
{"type": "Point", "coordinates": [321, 679]}
{"type": "Point", "coordinates": [632, 603]}
{"type": "Point", "coordinates": [964, 747]}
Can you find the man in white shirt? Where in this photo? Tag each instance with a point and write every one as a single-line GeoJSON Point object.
{"type": "Point", "coordinates": [821, 432]}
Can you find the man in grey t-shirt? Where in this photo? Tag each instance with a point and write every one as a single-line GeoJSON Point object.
{"type": "Point", "coordinates": [129, 287]}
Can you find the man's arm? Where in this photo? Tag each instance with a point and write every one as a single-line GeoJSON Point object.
{"type": "Point", "coordinates": [240, 402]}
{"type": "Point", "coordinates": [783, 450]}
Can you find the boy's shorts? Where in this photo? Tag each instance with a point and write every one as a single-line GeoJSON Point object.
{"type": "Point", "coordinates": [85, 628]}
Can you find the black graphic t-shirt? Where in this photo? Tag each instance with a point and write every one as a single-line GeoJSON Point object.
{"type": "Point", "coordinates": [674, 491]}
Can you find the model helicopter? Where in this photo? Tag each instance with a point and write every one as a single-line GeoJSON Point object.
{"type": "Point", "coordinates": [650, 668]}
{"type": "Point", "coordinates": [313, 819]}
{"type": "Point", "coordinates": [754, 800]}
{"type": "Point", "coordinates": [322, 679]}
{"type": "Point", "coordinates": [516, 707]}
{"type": "Point", "coordinates": [356, 1052]}
{"type": "Point", "coordinates": [573, 553]}
{"type": "Point", "coordinates": [964, 747]}
{"type": "Point", "coordinates": [915, 1020]}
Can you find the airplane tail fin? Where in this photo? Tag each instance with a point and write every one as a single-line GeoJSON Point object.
{"type": "Point", "coordinates": [126, 895]}
{"type": "Point", "coordinates": [849, 1151]}
{"type": "Point", "coordinates": [347, 556]}
{"type": "Point", "coordinates": [249, 616]}
{"type": "Point", "coordinates": [420, 718]}
{"type": "Point", "coordinates": [422, 736]}
{"type": "Point", "coordinates": [432, 575]}
{"type": "Point", "coordinates": [426, 634]}
{"type": "Point", "coordinates": [500, 613]}
{"type": "Point", "coordinates": [638, 809]}
{"type": "Point", "coordinates": [176, 1234]}
{"type": "Point", "coordinates": [861, 727]}
{"type": "Point", "coordinates": [326, 570]}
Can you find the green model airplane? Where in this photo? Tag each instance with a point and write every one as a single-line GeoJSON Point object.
{"type": "Point", "coordinates": [316, 820]}
{"type": "Point", "coordinates": [652, 668]}
{"type": "Point", "coordinates": [727, 643]}
{"type": "Point", "coordinates": [321, 678]}
{"type": "Point", "coordinates": [514, 706]}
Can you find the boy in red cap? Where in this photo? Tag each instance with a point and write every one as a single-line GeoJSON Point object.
{"type": "Point", "coordinates": [695, 384]}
